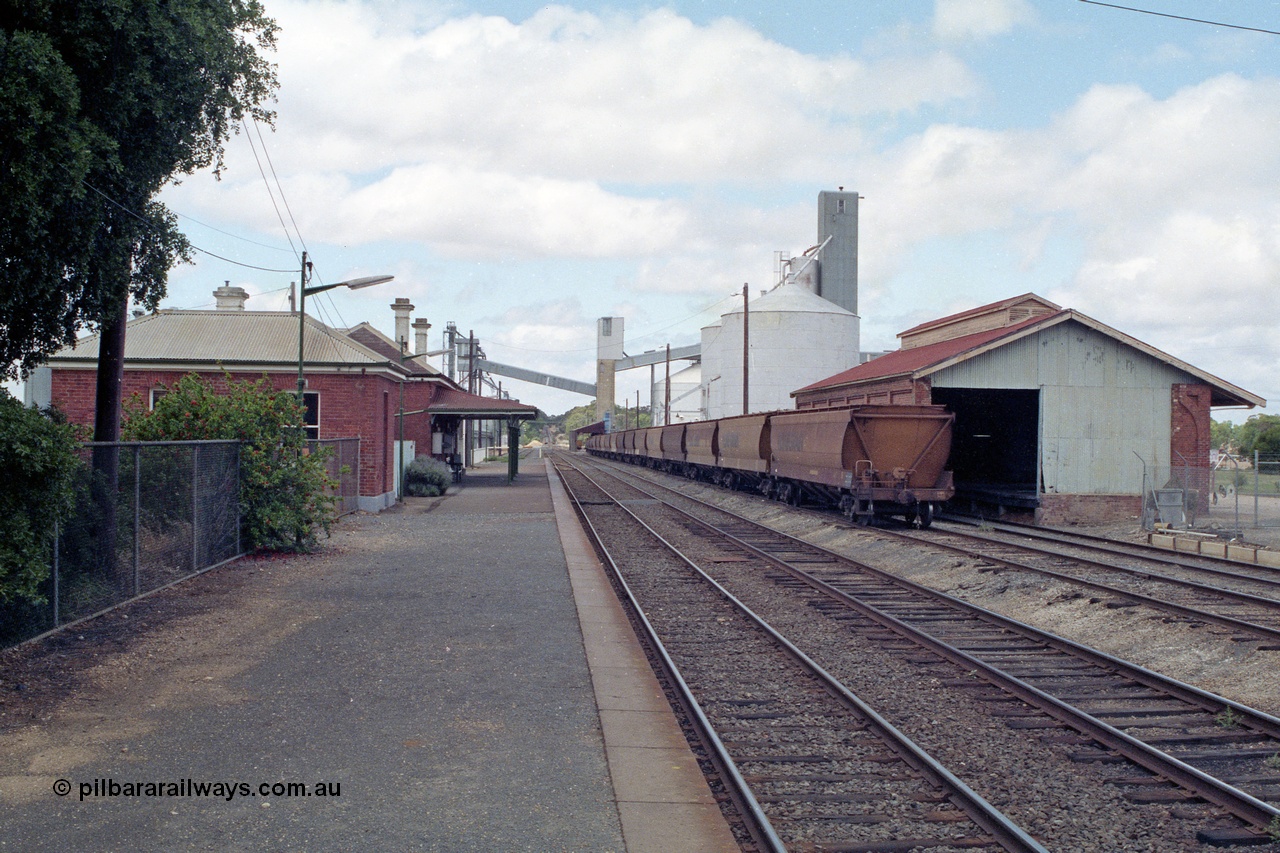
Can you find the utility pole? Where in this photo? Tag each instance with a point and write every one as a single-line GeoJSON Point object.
{"type": "Point", "coordinates": [745, 348]}
{"type": "Point", "coordinates": [666, 407]}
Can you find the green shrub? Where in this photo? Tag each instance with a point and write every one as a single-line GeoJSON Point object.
{"type": "Point", "coordinates": [284, 489]}
{"type": "Point", "coordinates": [425, 477]}
{"type": "Point", "coordinates": [38, 458]}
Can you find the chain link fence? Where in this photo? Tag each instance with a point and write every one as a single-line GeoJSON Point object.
{"type": "Point", "coordinates": [1238, 493]}
{"type": "Point", "coordinates": [146, 515]}
{"type": "Point", "coordinates": [343, 465]}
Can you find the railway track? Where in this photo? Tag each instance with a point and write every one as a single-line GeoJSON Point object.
{"type": "Point", "coordinates": [1244, 600]}
{"type": "Point", "coordinates": [816, 767]}
{"type": "Point", "coordinates": [1212, 749]}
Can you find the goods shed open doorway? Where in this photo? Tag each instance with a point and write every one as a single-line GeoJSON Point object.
{"type": "Point", "coordinates": [994, 445]}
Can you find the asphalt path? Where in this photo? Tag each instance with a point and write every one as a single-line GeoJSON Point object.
{"type": "Point", "coordinates": [426, 668]}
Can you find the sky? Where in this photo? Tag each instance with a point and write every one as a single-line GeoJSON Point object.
{"type": "Point", "coordinates": [523, 169]}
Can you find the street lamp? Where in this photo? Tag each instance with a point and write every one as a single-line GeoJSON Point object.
{"type": "Point", "coordinates": [304, 292]}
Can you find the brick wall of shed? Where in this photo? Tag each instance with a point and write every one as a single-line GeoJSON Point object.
{"type": "Point", "coordinates": [1088, 509]}
{"type": "Point", "coordinates": [1190, 441]}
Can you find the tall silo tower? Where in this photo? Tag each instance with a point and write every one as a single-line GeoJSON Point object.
{"type": "Point", "coordinates": [608, 350]}
{"type": "Point", "coordinates": [838, 264]}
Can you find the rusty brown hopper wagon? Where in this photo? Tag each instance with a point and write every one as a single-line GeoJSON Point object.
{"type": "Point", "coordinates": [700, 443]}
{"type": "Point", "coordinates": [868, 459]}
{"type": "Point", "coordinates": [673, 443]}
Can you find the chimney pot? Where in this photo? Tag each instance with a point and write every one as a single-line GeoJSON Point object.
{"type": "Point", "coordinates": [230, 298]}
{"type": "Point", "coordinates": [420, 329]}
{"type": "Point", "coordinates": [402, 308]}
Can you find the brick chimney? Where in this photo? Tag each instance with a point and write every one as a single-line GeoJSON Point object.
{"type": "Point", "coordinates": [420, 328]}
{"type": "Point", "coordinates": [230, 298]}
{"type": "Point", "coordinates": [402, 308]}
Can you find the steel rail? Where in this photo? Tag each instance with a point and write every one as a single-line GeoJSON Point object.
{"type": "Point", "coordinates": [1142, 598]}
{"type": "Point", "coordinates": [1228, 797]}
{"type": "Point", "coordinates": [983, 814]}
{"type": "Point", "coordinates": [1134, 550]}
{"type": "Point", "coordinates": [758, 824]}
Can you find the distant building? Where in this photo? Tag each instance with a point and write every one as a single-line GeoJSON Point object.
{"type": "Point", "coordinates": [1056, 412]}
{"type": "Point", "coordinates": [356, 378]}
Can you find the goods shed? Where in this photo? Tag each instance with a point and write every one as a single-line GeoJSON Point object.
{"type": "Point", "coordinates": [1057, 414]}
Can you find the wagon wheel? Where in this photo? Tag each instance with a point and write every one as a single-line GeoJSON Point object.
{"type": "Point", "coordinates": [924, 515]}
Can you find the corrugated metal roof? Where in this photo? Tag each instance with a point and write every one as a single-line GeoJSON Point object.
{"type": "Point", "coordinates": [450, 401]}
{"type": "Point", "coordinates": [258, 337]}
{"type": "Point", "coordinates": [924, 360]}
{"type": "Point", "coordinates": [384, 346]}
{"type": "Point", "coordinates": [981, 309]}
{"type": "Point", "coordinates": [915, 361]}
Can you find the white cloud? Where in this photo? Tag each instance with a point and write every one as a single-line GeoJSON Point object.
{"type": "Point", "coordinates": [1170, 200]}
{"type": "Point", "coordinates": [570, 94]}
{"type": "Point", "coordinates": [955, 20]}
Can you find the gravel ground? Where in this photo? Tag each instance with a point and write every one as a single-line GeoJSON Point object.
{"type": "Point", "coordinates": [1069, 806]}
{"type": "Point", "coordinates": [1203, 656]}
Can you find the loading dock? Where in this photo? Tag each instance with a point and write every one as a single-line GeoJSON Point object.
{"type": "Point", "coordinates": [994, 446]}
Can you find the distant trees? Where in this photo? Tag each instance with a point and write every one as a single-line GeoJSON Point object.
{"type": "Point", "coordinates": [1260, 433]}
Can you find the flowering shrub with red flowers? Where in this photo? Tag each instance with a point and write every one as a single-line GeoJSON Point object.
{"type": "Point", "coordinates": [286, 495]}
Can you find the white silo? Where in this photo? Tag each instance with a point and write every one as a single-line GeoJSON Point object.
{"type": "Point", "coordinates": [686, 396]}
{"type": "Point", "coordinates": [795, 338]}
{"type": "Point", "coordinates": [711, 346]}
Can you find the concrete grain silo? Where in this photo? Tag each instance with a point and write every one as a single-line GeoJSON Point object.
{"type": "Point", "coordinates": [711, 346]}
{"type": "Point", "coordinates": [795, 338]}
{"type": "Point", "coordinates": [686, 396]}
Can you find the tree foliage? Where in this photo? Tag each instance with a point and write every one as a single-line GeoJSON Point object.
{"type": "Point", "coordinates": [1260, 433]}
{"type": "Point", "coordinates": [1222, 435]}
{"type": "Point", "coordinates": [285, 491]}
{"type": "Point", "coordinates": [102, 102]}
{"type": "Point", "coordinates": [38, 457]}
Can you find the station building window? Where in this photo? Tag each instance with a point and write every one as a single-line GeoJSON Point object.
{"type": "Point", "coordinates": [311, 414]}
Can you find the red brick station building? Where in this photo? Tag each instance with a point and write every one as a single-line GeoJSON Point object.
{"type": "Point", "coordinates": [357, 379]}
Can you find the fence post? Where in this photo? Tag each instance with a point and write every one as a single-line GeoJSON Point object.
{"type": "Point", "coordinates": [195, 507]}
{"type": "Point", "coordinates": [57, 535]}
{"type": "Point", "coordinates": [1257, 522]}
{"type": "Point", "coordinates": [137, 517]}
{"type": "Point", "coordinates": [239, 535]}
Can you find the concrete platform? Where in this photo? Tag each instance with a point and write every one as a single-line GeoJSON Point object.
{"type": "Point", "coordinates": [457, 665]}
{"type": "Point", "coordinates": [662, 798]}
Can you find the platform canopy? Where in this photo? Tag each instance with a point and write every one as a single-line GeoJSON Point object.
{"type": "Point", "coordinates": [450, 402]}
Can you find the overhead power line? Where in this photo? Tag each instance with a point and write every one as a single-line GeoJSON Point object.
{"type": "Point", "coordinates": [144, 220]}
{"type": "Point", "coordinates": [1182, 18]}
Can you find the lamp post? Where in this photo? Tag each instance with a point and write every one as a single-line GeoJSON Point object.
{"type": "Point", "coordinates": [304, 292]}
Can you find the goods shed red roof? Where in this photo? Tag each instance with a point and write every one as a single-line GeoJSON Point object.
{"type": "Point", "coordinates": [909, 361]}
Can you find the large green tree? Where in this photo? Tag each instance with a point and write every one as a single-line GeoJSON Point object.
{"type": "Point", "coordinates": [103, 102]}
{"type": "Point", "coordinates": [1260, 433]}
